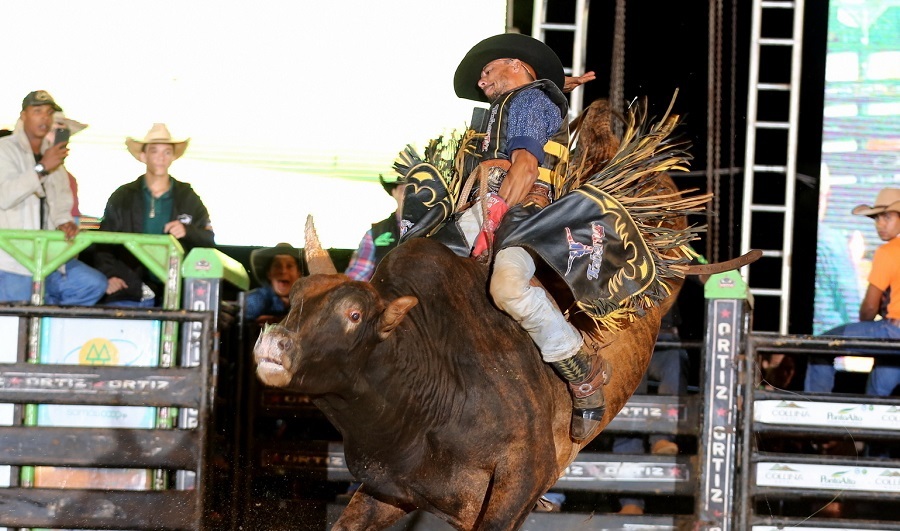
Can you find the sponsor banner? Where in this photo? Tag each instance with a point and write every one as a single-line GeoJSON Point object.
{"type": "Point", "coordinates": [9, 340]}
{"type": "Point", "coordinates": [333, 461]}
{"type": "Point", "coordinates": [651, 411]}
{"type": "Point", "coordinates": [97, 342]}
{"type": "Point", "coordinates": [105, 342]}
{"type": "Point", "coordinates": [828, 414]}
{"type": "Point", "coordinates": [286, 400]}
{"type": "Point", "coordinates": [7, 414]}
{"type": "Point", "coordinates": [580, 471]}
{"type": "Point", "coordinates": [830, 477]}
{"type": "Point", "coordinates": [64, 382]}
{"type": "Point", "coordinates": [804, 528]}
{"type": "Point", "coordinates": [717, 450]}
{"type": "Point", "coordinates": [90, 478]}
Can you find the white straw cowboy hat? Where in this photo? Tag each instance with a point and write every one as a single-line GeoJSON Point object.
{"type": "Point", "coordinates": [74, 126]}
{"type": "Point", "coordinates": [158, 134]}
{"type": "Point", "coordinates": [888, 200]}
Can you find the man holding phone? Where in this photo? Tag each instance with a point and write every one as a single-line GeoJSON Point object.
{"type": "Point", "coordinates": [35, 194]}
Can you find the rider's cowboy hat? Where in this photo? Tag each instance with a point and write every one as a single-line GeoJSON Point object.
{"type": "Point", "coordinates": [506, 46]}
{"type": "Point", "coordinates": [261, 259]}
{"type": "Point", "coordinates": [158, 134]}
{"type": "Point", "coordinates": [888, 199]}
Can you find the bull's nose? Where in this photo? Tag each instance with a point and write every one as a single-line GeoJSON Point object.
{"type": "Point", "coordinates": [273, 347]}
{"type": "Point", "coordinates": [284, 344]}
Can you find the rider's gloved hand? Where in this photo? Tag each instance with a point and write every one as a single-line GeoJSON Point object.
{"type": "Point", "coordinates": [496, 209]}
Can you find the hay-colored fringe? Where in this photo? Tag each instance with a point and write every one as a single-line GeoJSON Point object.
{"type": "Point", "coordinates": [632, 177]}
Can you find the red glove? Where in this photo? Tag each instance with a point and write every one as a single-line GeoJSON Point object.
{"type": "Point", "coordinates": [496, 209]}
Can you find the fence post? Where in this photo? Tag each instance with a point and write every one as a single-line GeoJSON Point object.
{"type": "Point", "coordinates": [204, 271]}
{"type": "Point", "coordinates": [726, 318]}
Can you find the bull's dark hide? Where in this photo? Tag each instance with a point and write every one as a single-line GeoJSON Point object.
{"type": "Point", "coordinates": [443, 402]}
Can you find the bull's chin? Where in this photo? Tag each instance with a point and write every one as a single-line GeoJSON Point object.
{"type": "Point", "coordinates": [273, 374]}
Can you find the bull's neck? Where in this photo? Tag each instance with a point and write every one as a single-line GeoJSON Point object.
{"type": "Point", "coordinates": [392, 400]}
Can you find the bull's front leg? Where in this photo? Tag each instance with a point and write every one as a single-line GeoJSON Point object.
{"type": "Point", "coordinates": [365, 513]}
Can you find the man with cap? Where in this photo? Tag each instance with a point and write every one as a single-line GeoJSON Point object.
{"type": "Point", "coordinates": [276, 269]}
{"type": "Point", "coordinates": [381, 238]}
{"type": "Point", "coordinates": [34, 195]}
{"type": "Point", "coordinates": [519, 154]}
{"type": "Point", "coordinates": [155, 203]}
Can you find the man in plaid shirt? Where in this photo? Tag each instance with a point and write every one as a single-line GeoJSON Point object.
{"type": "Point", "coordinates": [381, 238]}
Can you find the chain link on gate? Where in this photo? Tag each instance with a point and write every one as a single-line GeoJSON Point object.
{"type": "Point", "coordinates": [617, 69]}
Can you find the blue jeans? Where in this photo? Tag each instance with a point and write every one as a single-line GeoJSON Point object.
{"type": "Point", "coordinates": [80, 285]}
{"type": "Point", "coordinates": [882, 379]}
{"type": "Point", "coordinates": [132, 304]}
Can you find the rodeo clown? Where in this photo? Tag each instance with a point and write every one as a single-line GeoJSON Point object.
{"type": "Point", "coordinates": [515, 158]}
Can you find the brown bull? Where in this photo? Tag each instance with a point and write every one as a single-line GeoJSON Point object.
{"type": "Point", "coordinates": [443, 401]}
{"type": "Point", "coordinates": [416, 369]}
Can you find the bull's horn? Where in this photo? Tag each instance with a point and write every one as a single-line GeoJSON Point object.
{"type": "Point", "coordinates": [317, 259]}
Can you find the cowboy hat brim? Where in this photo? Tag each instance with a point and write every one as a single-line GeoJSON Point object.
{"type": "Point", "coordinates": [541, 57]}
{"type": "Point", "coordinates": [261, 258]}
{"type": "Point", "coordinates": [866, 210]}
{"type": "Point", "coordinates": [74, 126]}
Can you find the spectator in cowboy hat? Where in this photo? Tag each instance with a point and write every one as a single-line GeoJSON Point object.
{"type": "Point", "coordinates": [381, 238]}
{"type": "Point", "coordinates": [154, 203]}
{"type": "Point", "coordinates": [276, 269]}
{"type": "Point", "coordinates": [884, 281]}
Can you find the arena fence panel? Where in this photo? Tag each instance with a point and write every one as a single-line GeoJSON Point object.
{"type": "Point", "coordinates": [810, 460]}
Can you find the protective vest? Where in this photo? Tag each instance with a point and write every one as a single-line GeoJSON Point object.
{"type": "Point", "coordinates": [490, 142]}
{"type": "Point", "coordinates": [385, 235]}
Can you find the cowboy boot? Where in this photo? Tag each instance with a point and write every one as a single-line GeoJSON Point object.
{"type": "Point", "coordinates": [586, 372]}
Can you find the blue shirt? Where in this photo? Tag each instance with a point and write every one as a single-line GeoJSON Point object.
{"type": "Point", "coordinates": [533, 119]}
{"type": "Point", "coordinates": [263, 301]}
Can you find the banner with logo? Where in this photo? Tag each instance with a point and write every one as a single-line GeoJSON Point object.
{"type": "Point", "coordinates": [116, 342]}
{"type": "Point", "coordinates": [803, 528]}
{"type": "Point", "coordinates": [829, 477]}
{"type": "Point", "coordinates": [9, 340]}
{"type": "Point", "coordinates": [830, 414]}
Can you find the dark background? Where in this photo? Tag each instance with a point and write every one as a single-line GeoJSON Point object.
{"type": "Point", "coordinates": [667, 48]}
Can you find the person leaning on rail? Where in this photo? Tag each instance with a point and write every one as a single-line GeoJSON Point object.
{"type": "Point", "coordinates": [35, 194]}
{"type": "Point", "coordinates": [155, 203]}
{"type": "Point", "coordinates": [276, 269]}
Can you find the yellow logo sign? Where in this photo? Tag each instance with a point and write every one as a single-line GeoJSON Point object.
{"type": "Point", "coordinates": [98, 351]}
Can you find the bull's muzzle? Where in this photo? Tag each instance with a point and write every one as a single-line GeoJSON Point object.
{"type": "Point", "coordinates": [272, 354]}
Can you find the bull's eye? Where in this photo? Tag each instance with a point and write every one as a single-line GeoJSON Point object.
{"type": "Point", "coordinates": [355, 316]}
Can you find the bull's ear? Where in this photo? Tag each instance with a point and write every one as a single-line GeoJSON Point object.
{"type": "Point", "coordinates": [394, 314]}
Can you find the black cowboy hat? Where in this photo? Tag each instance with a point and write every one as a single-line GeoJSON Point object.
{"type": "Point", "coordinates": [389, 186]}
{"type": "Point", "coordinates": [260, 259]}
{"type": "Point", "coordinates": [506, 45]}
